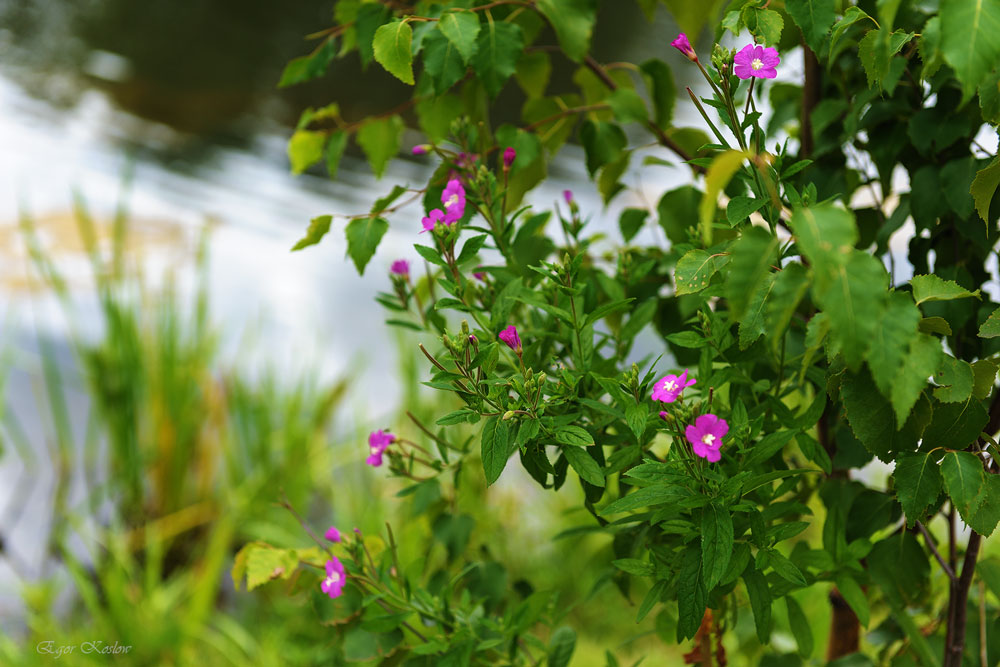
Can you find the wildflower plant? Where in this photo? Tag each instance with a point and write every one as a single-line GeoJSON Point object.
{"type": "Point", "coordinates": [724, 473]}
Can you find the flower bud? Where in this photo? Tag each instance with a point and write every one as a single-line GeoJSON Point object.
{"type": "Point", "coordinates": [509, 155]}
{"type": "Point", "coordinates": [508, 415]}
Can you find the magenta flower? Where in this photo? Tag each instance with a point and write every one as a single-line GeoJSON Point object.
{"type": "Point", "coordinates": [437, 215]}
{"type": "Point", "coordinates": [706, 435]}
{"type": "Point", "coordinates": [466, 160]}
{"type": "Point", "coordinates": [509, 336]}
{"type": "Point", "coordinates": [756, 61]}
{"type": "Point", "coordinates": [453, 199]}
{"type": "Point", "coordinates": [664, 415]}
{"type": "Point", "coordinates": [420, 149]}
{"type": "Point", "coordinates": [684, 46]}
{"type": "Point", "coordinates": [509, 155]}
{"type": "Point", "coordinates": [378, 441]}
{"type": "Point", "coordinates": [568, 196]}
{"type": "Point", "coordinates": [333, 585]}
{"type": "Point", "coordinates": [401, 267]}
{"type": "Point", "coordinates": [669, 389]}
{"type": "Point", "coordinates": [479, 275]}
{"type": "Point", "coordinates": [332, 534]}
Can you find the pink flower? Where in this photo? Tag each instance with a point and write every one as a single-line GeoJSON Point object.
{"type": "Point", "coordinates": [332, 534]}
{"type": "Point", "coordinates": [420, 149]}
{"type": "Point", "coordinates": [756, 61]}
{"type": "Point", "coordinates": [669, 389]}
{"type": "Point", "coordinates": [684, 46]}
{"type": "Point", "coordinates": [664, 415]}
{"type": "Point", "coordinates": [466, 160]}
{"type": "Point", "coordinates": [378, 441]}
{"type": "Point", "coordinates": [401, 267]}
{"type": "Point", "coordinates": [333, 584]}
{"type": "Point", "coordinates": [568, 196]}
{"type": "Point", "coordinates": [509, 336]}
{"type": "Point", "coordinates": [706, 435]}
{"type": "Point", "coordinates": [479, 275]}
{"type": "Point", "coordinates": [437, 215]}
{"type": "Point", "coordinates": [509, 155]}
{"type": "Point", "coordinates": [453, 199]}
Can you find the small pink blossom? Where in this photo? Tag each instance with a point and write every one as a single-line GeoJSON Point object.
{"type": "Point", "coordinates": [756, 61]}
{"type": "Point", "coordinates": [436, 215]}
{"type": "Point", "coordinates": [420, 149]}
{"type": "Point", "coordinates": [706, 435]}
{"type": "Point", "coordinates": [509, 155]}
{"type": "Point", "coordinates": [568, 196]}
{"type": "Point", "coordinates": [669, 388]}
{"type": "Point", "coordinates": [332, 534]}
{"type": "Point", "coordinates": [333, 584]}
{"type": "Point", "coordinates": [509, 336]}
{"type": "Point", "coordinates": [664, 415]}
{"type": "Point", "coordinates": [378, 441]}
{"type": "Point", "coordinates": [479, 275]}
{"type": "Point", "coordinates": [684, 46]}
{"type": "Point", "coordinates": [401, 267]}
{"type": "Point", "coordinates": [453, 199]}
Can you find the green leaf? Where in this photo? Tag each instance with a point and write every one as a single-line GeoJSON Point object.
{"type": "Point", "coordinates": [740, 208]}
{"type": "Point", "coordinates": [785, 568]}
{"type": "Point", "coordinates": [363, 236]}
{"type": "Point", "coordinates": [984, 520]}
{"type": "Point", "coordinates": [471, 248]}
{"type": "Point", "coordinates": [442, 62]}
{"type": "Point", "coordinates": [602, 142]}
{"type": "Point", "coordinates": [871, 418]}
{"type": "Point", "coordinates": [876, 50]}
{"type": "Point", "coordinates": [371, 15]}
{"type": "Point", "coordinates": [575, 436]}
{"type": "Point", "coordinates": [573, 22]}
{"type": "Point", "coordinates": [627, 106]}
{"type": "Point", "coordinates": [910, 381]}
{"type": "Point", "coordinates": [790, 285]}
{"type": "Point", "coordinates": [768, 446]}
{"type": "Point", "coordinates": [969, 39]}
{"type": "Point", "coordinates": [721, 171]}
{"type": "Point", "coordinates": [648, 496]}
{"type": "Point", "coordinates": [495, 448]}
{"type": "Point", "coordinates": [392, 50]}
{"type": "Point", "coordinates": [639, 568]}
{"type": "Point", "coordinates": [814, 17]}
{"type": "Point", "coordinates": [318, 227]}
{"type": "Point", "coordinates": [760, 602]}
{"type": "Point", "coordinates": [751, 258]}
{"type": "Point", "coordinates": [854, 596]}
{"type": "Point", "coordinates": [764, 23]}
{"type": "Point", "coordinates": [716, 543]}
{"type": "Point", "coordinates": [955, 425]}
{"type": "Point", "coordinates": [799, 624]}
{"type": "Point", "coordinates": [955, 378]}
{"type": "Point", "coordinates": [264, 563]}
{"type": "Point", "coordinates": [991, 327]}
{"type": "Point", "coordinates": [436, 114]}
{"type": "Point", "coordinates": [533, 72]}
{"type": "Point", "coordinates": [963, 480]}
{"type": "Point", "coordinates": [306, 68]}
{"type": "Point", "coordinates": [499, 47]}
{"type": "Point", "coordinates": [934, 288]}
{"type": "Point", "coordinates": [984, 186]}
{"type": "Point", "coordinates": [631, 221]}
{"type": "Point", "coordinates": [692, 17]}
{"type": "Point", "coordinates": [890, 349]}
{"type": "Point", "coordinates": [692, 597]}
{"type": "Point", "coordinates": [917, 481]}
{"type": "Point", "coordinates": [935, 325]}
{"type": "Point", "coordinates": [695, 269]}
{"type": "Point", "coordinates": [662, 92]}
{"type": "Point", "coordinates": [379, 139]}
{"type": "Point", "coordinates": [825, 233]}
{"type": "Point", "coordinates": [305, 149]}
{"type": "Point", "coordinates": [652, 597]}
{"type": "Point", "coordinates": [561, 647]}
{"type": "Point", "coordinates": [984, 374]}
{"type": "Point", "coordinates": [335, 151]}
{"type": "Point", "coordinates": [677, 211]}
{"type": "Point", "coordinates": [753, 324]}
{"type": "Point", "coordinates": [851, 16]}
{"type": "Point", "coordinates": [957, 177]}
{"type": "Point", "coordinates": [853, 294]}
{"type": "Point", "coordinates": [584, 465]}
{"type": "Point", "coordinates": [461, 28]}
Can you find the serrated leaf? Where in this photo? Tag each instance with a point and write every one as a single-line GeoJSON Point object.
{"type": "Point", "coordinates": [851, 16]}
{"type": "Point", "coordinates": [691, 594]}
{"type": "Point", "coordinates": [299, 70]}
{"type": "Point", "coordinates": [363, 237]}
{"type": "Point", "coordinates": [318, 227]}
{"type": "Point", "coordinates": [910, 381]}
{"type": "Point", "coordinates": [984, 520]}
{"type": "Point", "coordinates": [955, 425]}
{"type": "Point", "coordinates": [760, 602]}
{"type": "Point", "coordinates": [573, 22]}
{"type": "Point", "coordinates": [305, 148]}
{"type": "Point", "coordinates": [391, 48]}
{"type": "Point", "coordinates": [871, 418]}
{"type": "Point", "coordinates": [603, 143]}
{"type": "Point", "coordinates": [853, 295]}
{"type": "Point", "coordinates": [380, 139]}
{"type": "Point", "coordinates": [984, 186]}
{"type": "Point", "coordinates": [962, 473]}
{"type": "Point", "coordinates": [917, 481]}
{"type": "Point", "coordinates": [495, 449]}
{"type": "Point", "coordinates": [442, 62]}
{"type": "Point", "coordinates": [935, 325]}
{"type": "Point", "coordinates": [768, 446]}
{"type": "Point", "coordinates": [335, 151]}
{"type": "Point", "coordinates": [814, 17]}
{"type": "Point", "coordinates": [695, 270]}
{"type": "Point", "coordinates": [499, 46]}
{"type": "Point", "coordinates": [991, 327]}
{"type": "Point", "coordinates": [584, 465]}
{"type": "Point", "coordinates": [716, 543]}
{"type": "Point", "coordinates": [890, 349]}
{"type": "Point", "coordinates": [790, 285]}
{"type": "Point", "coordinates": [969, 43]}
{"type": "Point", "coordinates": [739, 208]}
{"type": "Point", "coordinates": [955, 378]}
{"type": "Point", "coordinates": [934, 288]}
{"type": "Point", "coordinates": [984, 374]}
{"type": "Point", "coordinates": [753, 325]}
{"type": "Point", "coordinates": [461, 28]}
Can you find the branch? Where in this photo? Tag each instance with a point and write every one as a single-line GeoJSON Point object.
{"type": "Point", "coordinates": [955, 642]}
{"type": "Point", "coordinates": [930, 545]}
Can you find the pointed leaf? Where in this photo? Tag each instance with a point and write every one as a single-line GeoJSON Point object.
{"type": "Point", "coordinates": [392, 50]}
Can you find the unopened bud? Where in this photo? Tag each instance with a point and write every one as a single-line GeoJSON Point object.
{"type": "Point", "coordinates": [508, 415]}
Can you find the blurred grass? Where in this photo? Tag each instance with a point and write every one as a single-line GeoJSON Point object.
{"type": "Point", "coordinates": [182, 458]}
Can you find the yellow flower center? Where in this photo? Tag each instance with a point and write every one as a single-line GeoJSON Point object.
{"type": "Point", "coordinates": [708, 439]}
{"type": "Point", "coordinates": [332, 579]}
{"type": "Point", "coordinates": [756, 63]}
{"type": "Point", "coordinates": [452, 200]}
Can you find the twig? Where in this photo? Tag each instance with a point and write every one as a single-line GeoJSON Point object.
{"type": "Point", "coordinates": [302, 522]}
{"type": "Point", "coordinates": [937, 554]}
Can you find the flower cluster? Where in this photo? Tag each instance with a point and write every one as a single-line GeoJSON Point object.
{"type": "Point", "coordinates": [378, 441]}
{"type": "Point", "coordinates": [708, 430]}
{"type": "Point", "coordinates": [752, 60]}
{"type": "Point", "coordinates": [453, 199]}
